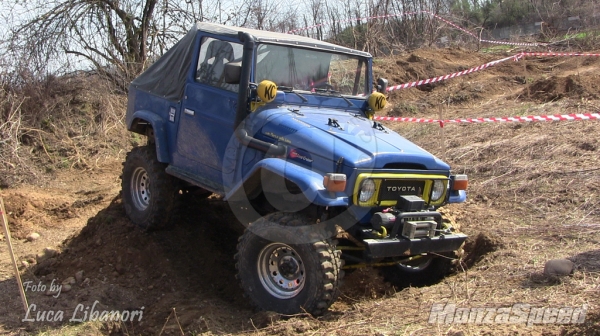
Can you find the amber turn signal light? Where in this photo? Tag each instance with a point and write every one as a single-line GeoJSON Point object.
{"type": "Point", "coordinates": [461, 182]}
{"type": "Point", "coordinates": [334, 182]}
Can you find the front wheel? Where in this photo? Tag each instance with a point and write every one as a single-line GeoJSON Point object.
{"type": "Point", "coordinates": [287, 278]}
{"type": "Point", "coordinates": [423, 271]}
{"type": "Point", "coordinates": [148, 192]}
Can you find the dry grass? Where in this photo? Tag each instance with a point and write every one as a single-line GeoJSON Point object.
{"type": "Point", "coordinates": [59, 123]}
{"type": "Point", "coordinates": [534, 195]}
{"type": "Point", "coordinates": [10, 128]}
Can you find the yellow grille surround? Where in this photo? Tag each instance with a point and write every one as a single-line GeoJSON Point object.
{"type": "Point", "coordinates": [379, 177]}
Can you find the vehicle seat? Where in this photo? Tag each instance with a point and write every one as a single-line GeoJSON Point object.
{"type": "Point", "coordinates": [218, 54]}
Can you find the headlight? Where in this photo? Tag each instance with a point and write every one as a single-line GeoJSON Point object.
{"type": "Point", "coordinates": [366, 190]}
{"type": "Point", "coordinates": [438, 190]}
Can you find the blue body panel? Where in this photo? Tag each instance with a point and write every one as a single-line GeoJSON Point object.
{"type": "Point", "coordinates": [309, 181]}
{"type": "Point", "coordinates": [323, 133]}
{"type": "Point", "coordinates": [162, 114]}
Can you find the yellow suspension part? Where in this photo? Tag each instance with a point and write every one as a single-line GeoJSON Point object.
{"type": "Point", "coordinates": [388, 263]}
{"type": "Point", "coordinates": [383, 233]}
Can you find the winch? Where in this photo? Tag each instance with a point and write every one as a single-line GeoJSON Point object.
{"type": "Point", "coordinates": [408, 219]}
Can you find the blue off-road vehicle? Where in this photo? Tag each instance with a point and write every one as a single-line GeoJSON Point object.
{"type": "Point", "coordinates": [280, 126]}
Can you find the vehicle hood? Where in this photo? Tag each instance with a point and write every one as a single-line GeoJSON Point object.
{"type": "Point", "coordinates": [331, 134]}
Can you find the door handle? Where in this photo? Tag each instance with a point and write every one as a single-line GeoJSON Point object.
{"type": "Point", "coordinates": [189, 112]}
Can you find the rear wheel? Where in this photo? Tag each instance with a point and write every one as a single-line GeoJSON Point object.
{"type": "Point", "coordinates": [148, 192]}
{"type": "Point", "coordinates": [284, 277]}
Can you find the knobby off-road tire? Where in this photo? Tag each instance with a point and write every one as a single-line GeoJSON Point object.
{"type": "Point", "coordinates": [287, 278]}
{"type": "Point", "coordinates": [424, 272]}
{"type": "Point", "coordinates": [148, 192]}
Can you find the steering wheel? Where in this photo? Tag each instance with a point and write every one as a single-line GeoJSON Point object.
{"type": "Point", "coordinates": [324, 85]}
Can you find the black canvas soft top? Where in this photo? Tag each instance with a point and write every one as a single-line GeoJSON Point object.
{"type": "Point", "coordinates": [166, 76]}
{"type": "Point", "coordinates": [274, 37]}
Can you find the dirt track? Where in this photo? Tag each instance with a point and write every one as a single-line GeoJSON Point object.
{"type": "Point", "coordinates": [534, 196]}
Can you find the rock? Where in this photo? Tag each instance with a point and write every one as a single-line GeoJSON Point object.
{"type": "Point", "coordinates": [79, 276]}
{"type": "Point", "coordinates": [54, 291]}
{"type": "Point", "coordinates": [51, 252]}
{"type": "Point", "coordinates": [46, 254]}
{"type": "Point", "coordinates": [69, 281]}
{"type": "Point", "coordinates": [40, 257]}
{"type": "Point", "coordinates": [33, 236]}
{"type": "Point", "coordinates": [45, 267]}
{"type": "Point", "coordinates": [86, 282]}
{"type": "Point", "coordinates": [24, 263]}
{"type": "Point", "coordinates": [66, 288]}
{"type": "Point", "coordinates": [559, 267]}
{"type": "Point", "coordinates": [119, 268]}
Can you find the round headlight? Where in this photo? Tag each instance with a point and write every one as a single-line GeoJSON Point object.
{"type": "Point", "coordinates": [366, 190]}
{"type": "Point", "coordinates": [438, 190]}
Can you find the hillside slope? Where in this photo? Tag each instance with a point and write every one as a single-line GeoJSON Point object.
{"type": "Point", "coordinates": [534, 196]}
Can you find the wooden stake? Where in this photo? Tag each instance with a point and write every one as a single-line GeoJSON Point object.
{"type": "Point", "coordinates": [12, 254]}
{"type": "Point", "coordinates": [443, 140]}
{"type": "Point", "coordinates": [525, 76]}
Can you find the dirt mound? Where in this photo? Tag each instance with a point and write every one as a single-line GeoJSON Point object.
{"type": "Point", "coordinates": [27, 212]}
{"type": "Point", "coordinates": [476, 248]}
{"type": "Point", "coordinates": [189, 267]}
{"type": "Point", "coordinates": [32, 210]}
{"type": "Point", "coordinates": [539, 79]}
{"type": "Point", "coordinates": [572, 86]}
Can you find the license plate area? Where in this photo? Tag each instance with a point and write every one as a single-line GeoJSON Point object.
{"type": "Point", "coordinates": [391, 190]}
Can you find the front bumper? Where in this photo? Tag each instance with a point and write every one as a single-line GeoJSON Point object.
{"type": "Point", "coordinates": [398, 247]}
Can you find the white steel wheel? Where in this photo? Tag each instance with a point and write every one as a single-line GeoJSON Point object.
{"type": "Point", "coordinates": [140, 189]}
{"type": "Point", "coordinates": [281, 270]}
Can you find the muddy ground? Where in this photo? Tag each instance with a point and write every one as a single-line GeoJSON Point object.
{"type": "Point", "coordinates": [534, 196]}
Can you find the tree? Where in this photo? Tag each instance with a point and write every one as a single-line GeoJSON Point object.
{"type": "Point", "coordinates": [111, 35]}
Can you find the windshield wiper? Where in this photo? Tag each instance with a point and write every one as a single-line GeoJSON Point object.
{"type": "Point", "coordinates": [335, 94]}
{"type": "Point", "coordinates": [288, 89]}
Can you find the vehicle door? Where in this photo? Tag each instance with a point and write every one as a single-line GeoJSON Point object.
{"type": "Point", "coordinates": [208, 110]}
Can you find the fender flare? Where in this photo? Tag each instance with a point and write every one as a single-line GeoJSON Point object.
{"type": "Point", "coordinates": [459, 196]}
{"type": "Point", "coordinates": [310, 182]}
{"type": "Point", "coordinates": [160, 132]}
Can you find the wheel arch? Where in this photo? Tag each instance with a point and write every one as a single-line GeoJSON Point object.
{"type": "Point", "coordinates": [305, 181]}
{"type": "Point", "coordinates": [150, 124]}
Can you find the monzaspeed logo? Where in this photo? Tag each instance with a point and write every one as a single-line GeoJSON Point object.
{"type": "Point", "coordinates": [300, 154]}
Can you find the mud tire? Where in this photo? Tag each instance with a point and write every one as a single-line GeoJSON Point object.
{"type": "Point", "coordinates": [320, 262]}
{"type": "Point", "coordinates": [148, 192]}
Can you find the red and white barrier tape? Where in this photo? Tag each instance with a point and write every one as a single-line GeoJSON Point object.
{"type": "Point", "coordinates": [453, 75]}
{"type": "Point", "coordinates": [557, 54]}
{"type": "Point", "coordinates": [556, 117]}
{"type": "Point", "coordinates": [515, 57]}
{"type": "Point", "coordinates": [386, 17]}
{"type": "Point", "coordinates": [520, 44]}
{"type": "Point", "coordinates": [523, 44]}
{"type": "Point", "coordinates": [417, 120]}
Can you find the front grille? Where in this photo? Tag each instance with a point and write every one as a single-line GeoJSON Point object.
{"type": "Point", "coordinates": [392, 189]}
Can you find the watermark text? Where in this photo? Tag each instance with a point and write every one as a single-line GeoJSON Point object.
{"type": "Point", "coordinates": [519, 313]}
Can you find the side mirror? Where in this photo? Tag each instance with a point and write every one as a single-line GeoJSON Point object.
{"type": "Point", "coordinates": [233, 71]}
{"type": "Point", "coordinates": [382, 85]}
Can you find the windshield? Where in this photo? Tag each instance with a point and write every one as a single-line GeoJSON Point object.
{"type": "Point", "coordinates": [311, 70]}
